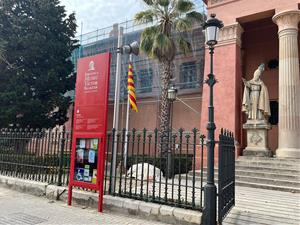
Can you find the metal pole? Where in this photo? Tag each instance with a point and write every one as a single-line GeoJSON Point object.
{"type": "Point", "coordinates": [127, 124]}
{"type": "Point", "coordinates": [61, 156]}
{"type": "Point", "coordinates": [116, 108]}
{"type": "Point", "coordinates": [170, 172]}
{"type": "Point", "coordinates": [210, 190]}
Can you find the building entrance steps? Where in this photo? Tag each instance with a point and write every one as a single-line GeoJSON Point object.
{"type": "Point", "coordinates": [265, 173]}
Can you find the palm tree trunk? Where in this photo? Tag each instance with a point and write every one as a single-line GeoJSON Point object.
{"type": "Point", "coordinates": [164, 105]}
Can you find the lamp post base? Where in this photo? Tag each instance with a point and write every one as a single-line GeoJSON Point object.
{"type": "Point", "coordinates": [210, 199]}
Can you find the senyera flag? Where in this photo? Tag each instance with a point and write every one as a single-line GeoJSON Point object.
{"type": "Point", "coordinates": [131, 89]}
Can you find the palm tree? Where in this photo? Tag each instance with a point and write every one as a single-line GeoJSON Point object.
{"type": "Point", "coordinates": [157, 41]}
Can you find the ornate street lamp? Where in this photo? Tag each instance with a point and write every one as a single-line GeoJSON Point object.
{"type": "Point", "coordinates": [172, 95]}
{"type": "Point", "coordinates": [212, 27]}
{"type": "Point", "coordinates": [132, 48]}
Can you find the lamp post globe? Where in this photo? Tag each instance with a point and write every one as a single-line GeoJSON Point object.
{"type": "Point", "coordinates": [212, 27]}
{"type": "Point", "coordinates": [172, 93]}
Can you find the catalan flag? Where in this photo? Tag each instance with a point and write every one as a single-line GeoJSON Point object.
{"type": "Point", "coordinates": [131, 89]}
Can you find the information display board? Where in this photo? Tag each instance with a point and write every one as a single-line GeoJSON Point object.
{"type": "Point", "coordinates": [90, 125]}
{"type": "Point", "coordinates": [86, 160]}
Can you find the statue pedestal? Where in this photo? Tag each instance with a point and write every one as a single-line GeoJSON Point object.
{"type": "Point", "coordinates": [257, 138]}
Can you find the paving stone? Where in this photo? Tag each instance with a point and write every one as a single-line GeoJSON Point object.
{"type": "Point", "coordinates": [131, 205]}
{"type": "Point", "coordinates": [20, 208]}
{"type": "Point", "coordinates": [149, 208]}
{"type": "Point", "coordinates": [187, 216]}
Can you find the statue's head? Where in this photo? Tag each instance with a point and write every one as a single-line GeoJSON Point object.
{"type": "Point", "coordinates": [262, 67]}
{"type": "Point", "coordinates": [258, 72]}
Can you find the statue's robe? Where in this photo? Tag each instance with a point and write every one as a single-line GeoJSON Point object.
{"type": "Point", "coordinates": [263, 105]}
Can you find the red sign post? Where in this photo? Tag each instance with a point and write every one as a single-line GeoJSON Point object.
{"type": "Point", "coordinates": [90, 125]}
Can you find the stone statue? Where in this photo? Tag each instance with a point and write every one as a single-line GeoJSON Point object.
{"type": "Point", "coordinates": [256, 105]}
{"type": "Point", "coordinates": [256, 97]}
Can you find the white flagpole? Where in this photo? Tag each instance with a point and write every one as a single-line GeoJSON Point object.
{"type": "Point", "coordinates": [127, 123]}
{"type": "Point", "coordinates": [116, 108]}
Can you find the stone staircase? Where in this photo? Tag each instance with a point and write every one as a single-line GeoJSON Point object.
{"type": "Point", "coordinates": [266, 173]}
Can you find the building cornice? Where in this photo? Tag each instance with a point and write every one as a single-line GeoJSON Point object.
{"type": "Point", "coordinates": [231, 34]}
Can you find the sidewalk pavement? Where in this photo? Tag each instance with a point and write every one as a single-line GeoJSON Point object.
{"type": "Point", "coordinates": [19, 208]}
{"type": "Point", "coordinates": [256, 206]}
{"type": "Point", "coordinates": [253, 207]}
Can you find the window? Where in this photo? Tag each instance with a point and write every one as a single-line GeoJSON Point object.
{"type": "Point", "coordinates": [188, 75]}
{"type": "Point", "coordinates": [144, 80]}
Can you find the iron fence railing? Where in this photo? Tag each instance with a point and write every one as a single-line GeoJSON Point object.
{"type": "Point", "coordinates": [150, 166]}
{"type": "Point", "coordinates": [226, 174]}
{"type": "Point", "coordinates": [33, 154]}
{"type": "Point", "coordinates": [149, 170]}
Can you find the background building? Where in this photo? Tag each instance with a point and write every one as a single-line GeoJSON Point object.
{"type": "Point", "coordinates": [187, 76]}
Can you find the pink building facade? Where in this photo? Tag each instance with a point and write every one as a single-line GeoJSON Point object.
{"type": "Point", "coordinates": [257, 32]}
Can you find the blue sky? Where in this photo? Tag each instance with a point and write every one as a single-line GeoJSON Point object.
{"type": "Point", "coordinates": [95, 14]}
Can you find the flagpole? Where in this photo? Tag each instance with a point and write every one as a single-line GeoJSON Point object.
{"type": "Point", "coordinates": [127, 124]}
{"type": "Point", "coordinates": [116, 109]}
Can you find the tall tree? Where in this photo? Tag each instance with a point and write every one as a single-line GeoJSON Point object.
{"type": "Point", "coordinates": [37, 39]}
{"type": "Point", "coordinates": [172, 18]}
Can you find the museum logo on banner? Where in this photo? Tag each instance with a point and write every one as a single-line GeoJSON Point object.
{"type": "Point", "coordinates": [91, 79]}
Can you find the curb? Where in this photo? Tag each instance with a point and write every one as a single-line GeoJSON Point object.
{"type": "Point", "coordinates": [151, 211]}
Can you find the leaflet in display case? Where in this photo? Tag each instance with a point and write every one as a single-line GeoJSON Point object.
{"type": "Point", "coordinates": [86, 158]}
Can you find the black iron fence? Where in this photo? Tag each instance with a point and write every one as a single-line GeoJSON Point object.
{"type": "Point", "coordinates": [226, 174]}
{"type": "Point", "coordinates": [146, 170]}
{"type": "Point", "coordinates": [33, 154]}
{"type": "Point", "coordinates": [139, 165]}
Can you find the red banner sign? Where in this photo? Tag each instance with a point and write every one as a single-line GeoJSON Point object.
{"type": "Point", "coordinates": [90, 124]}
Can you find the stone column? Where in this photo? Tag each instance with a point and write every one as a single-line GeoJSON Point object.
{"type": "Point", "coordinates": [289, 85]}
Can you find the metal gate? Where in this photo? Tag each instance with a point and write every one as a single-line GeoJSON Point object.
{"type": "Point", "coordinates": [226, 174]}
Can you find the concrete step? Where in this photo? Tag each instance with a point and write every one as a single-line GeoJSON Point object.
{"type": "Point", "coordinates": [271, 163]}
{"type": "Point", "coordinates": [269, 181]}
{"type": "Point", "coordinates": [291, 185]}
{"type": "Point", "coordinates": [255, 169]}
{"type": "Point", "coordinates": [266, 173]}
{"type": "Point", "coordinates": [271, 159]}
{"type": "Point", "coordinates": [279, 186]}
{"type": "Point", "coordinates": [269, 187]}
{"type": "Point", "coordinates": [256, 182]}
{"type": "Point", "coordinates": [268, 169]}
{"type": "Point", "coordinates": [281, 175]}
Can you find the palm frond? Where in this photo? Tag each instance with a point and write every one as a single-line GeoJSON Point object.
{"type": "Point", "coordinates": [196, 16]}
{"type": "Point", "coordinates": [183, 24]}
{"type": "Point", "coordinates": [144, 16]}
{"type": "Point", "coordinates": [163, 3]}
{"type": "Point", "coordinates": [163, 47]}
{"type": "Point", "coordinates": [150, 32]}
{"type": "Point", "coordinates": [146, 46]}
{"type": "Point", "coordinates": [149, 2]}
{"type": "Point", "coordinates": [147, 39]}
{"type": "Point", "coordinates": [162, 42]}
{"type": "Point", "coordinates": [184, 6]}
{"type": "Point", "coordinates": [184, 46]}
